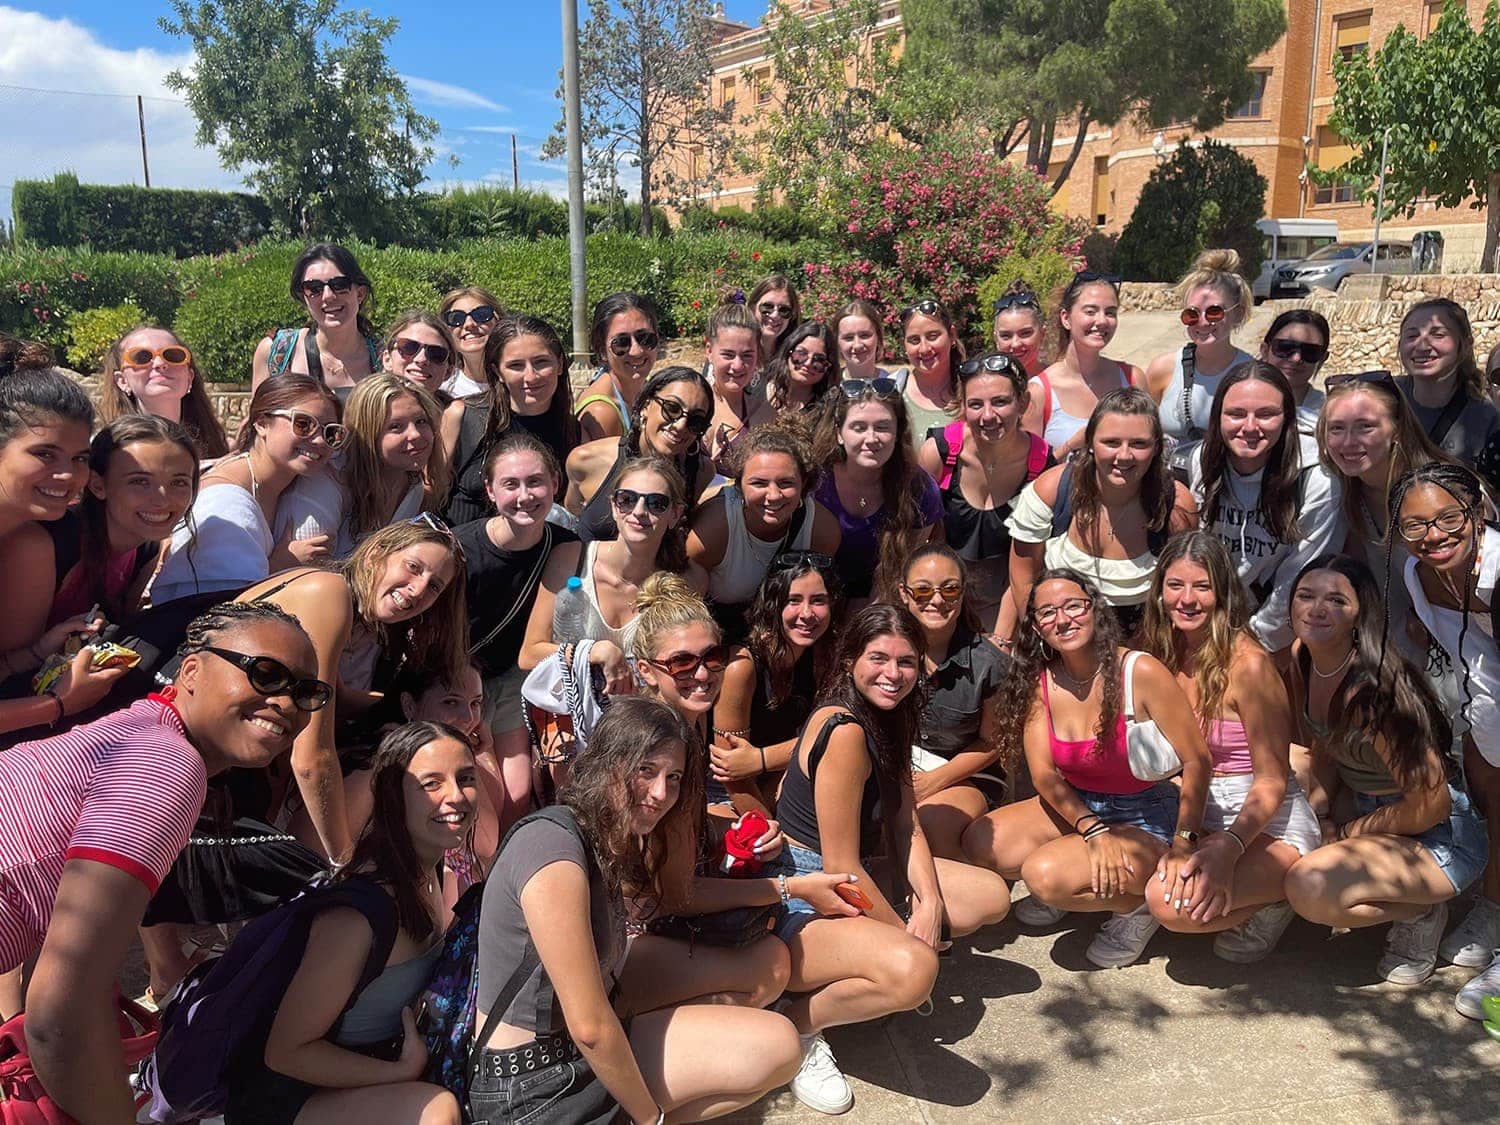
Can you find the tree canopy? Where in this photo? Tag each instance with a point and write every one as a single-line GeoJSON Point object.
{"type": "Point", "coordinates": [1436, 99]}
{"type": "Point", "coordinates": [301, 95]}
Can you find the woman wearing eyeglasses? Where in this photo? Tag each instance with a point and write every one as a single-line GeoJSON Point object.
{"type": "Point", "coordinates": [420, 348]}
{"type": "Point", "coordinates": [1096, 837]}
{"type": "Point", "coordinates": [777, 305]}
{"type": "Point", "coordinates": [765, 511]}
{"type": "Point", "coordinates": [673, 413]}
{"type": "Point", "coordinates": [1440, 513]}
{"type": "Point", "coordinates": [1020, 327]}
{"type": "Point", "coordinates": [1066, 392]}
{"type": "Point", "coordinates": [91, 820]}
{"type": "Point", "coordinates": [803, 368]}
{"type": "Point", "coordinates": [1296, 344]}
{"type": "Point", "coordinates": [981, 462]}
{"type": "Point", "coordinates": [933, 356]}
{"type": "Point", "coordinates": [1445, 387]}
{"type": "Point", "coordinates": [150, 371]}
{"type": "Point", "coordinates": [225, 543]}
{"type": "Point", "coordinates": [471, 314]}
{"type": "Point", "coordinates": [732, 349]}
{"type": "Point", "coordinates": [857, 327]}
{"type": "Point", "coordinates": [1215, 301]}
{"type": "Point", "coordinates": [338, 347]}
{"type": "Point", "coordinates": [964, 670]}
{"type": "Point", "coordinates": [624, 338]}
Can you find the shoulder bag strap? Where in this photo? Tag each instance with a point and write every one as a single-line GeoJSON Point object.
{"type": "Point", "coordinates": [1189, 370]}
{"type": "Point", "coordinates": [1451, 411]}
{"type": "Point", "coordinates": [950, 443]}
{"type": "Point", "coordinates": [313, 356]}
{"type": "Point", "coordinates": [527, 591]}
{"type": "Point", "coordinates": [1037, 458]}
{"type": "Point", "coordinates": [1128, 675]}
{"type": "Point", "coordinates": [794, 526]}
{"type": "Point", "coordinates": [1062, 504]}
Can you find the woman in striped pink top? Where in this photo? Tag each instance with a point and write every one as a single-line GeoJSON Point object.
{"type": "Point", "coordinates": [91, 820]}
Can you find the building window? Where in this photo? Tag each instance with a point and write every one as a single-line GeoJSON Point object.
{"type": "Point", "coordinates": [726, 94]}
{"type": "Point", "coordinates": [1254, 106]}
{"type": "Point", "coordinates": [695, 163]}
{"type": "Point", "coordinates": [1101, 190]}
{"type": "Point", "coordinates": [1333, 152]}
{"type": "Point", "coordinates": [763, 87]}
{"type": "Point", "coordinates": [1351, 35]}
{"type": "Point", "coordinates": [1430, 17]}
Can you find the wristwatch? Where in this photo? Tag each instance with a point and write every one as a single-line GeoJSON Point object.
{"type": "Point", "coordinates": [1188, 835]}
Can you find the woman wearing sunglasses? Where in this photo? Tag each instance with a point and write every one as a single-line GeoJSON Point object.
{"type": "Point", "coordinates": [335, 1051]}
{"type": "Point", "coordinates": [389, 468]}
{"type": "Point", "coordinates": [1095, 838]}
{"type": "Point", "coordinates": [732, 357]}
{"type": "Point", "coordinates": [1272, 511]}
{"type": "Point", "coordinates": [471, 314]}
{"type": "Point", "coordinates": [933, 356]}
{"type": "Point", "coordinates": [884, 501]}
{"type": "Point", "coordinates": [150, 371]}
{"type": "Point", "coordinates": [1445, 387]}
{"type": "Point", "coordinates": [778, 306]}
{"type": "Point", "coordinates": [1441, 514]}
{"type": "Point", "coordinates": [338, 347]}
{"type": "Point", "coordinates": [673, 413]}
{"type": "Point", "coordinates": [1106, 513]}
{"type": "Point", "coordinates": [1065, 393]}
{"type": "Point", "coordinates": [803, 368]}
{"type": "Point", "coordinates": [624, 338]}
{"type": "Point", "coordinates": [772, 679]}
{"type": "Point", "coordinates": [763, 512]}
{"type": "Point", "coordinates": [964, 671]}
{"type": "Point", "coordinates": [861, 340]}
{"type": "Point", "coordinates": [420, 348]}
{"type": "Point", "coordinates": [226, 542]}
{"type": "Point", "coordinates": [1378, 737]}
{"type": "Point", "coordinates": [981, 462]}
{"type": "Point", "coordinates": [1020, 327]}
{"type": "Point", "coordinates": [1215, 301]}
{"type": "Point", "coordinates": [1297, 344]}
{"type": "Point", "coordinates": [100, 813]}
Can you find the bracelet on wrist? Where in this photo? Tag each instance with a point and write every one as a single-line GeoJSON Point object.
{"type": "Point", "coordinates": [1095, 830]}
{"type": "Point", "coordinates": [61, 710]}
{"type": "Point", "coordinates": [1235, 836]}
{"type": "Point", "coordinates": [1086, 816]}
{"type": "Point", "coordinates": [786, 898]}
{"type": "Point", "coordinates": [763, 767]}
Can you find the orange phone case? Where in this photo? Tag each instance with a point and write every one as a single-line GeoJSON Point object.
{"type": "Point", "coordinates": [851, 894]}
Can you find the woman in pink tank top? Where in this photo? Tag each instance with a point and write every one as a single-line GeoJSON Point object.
{"type": "Point", "coordinates": [1095, 837]}
{"type": "Point", "coordinates": [1257, 822]}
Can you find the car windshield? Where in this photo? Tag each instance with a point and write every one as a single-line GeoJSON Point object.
{"type": "Point", "coordinates": [1336, 252]}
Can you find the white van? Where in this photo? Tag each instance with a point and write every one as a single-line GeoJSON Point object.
{"type": "Point", "coordinates": [1287, 241]}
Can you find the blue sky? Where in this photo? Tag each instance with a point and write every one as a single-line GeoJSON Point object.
{"type": "Point", "coordinates": [483, 77]}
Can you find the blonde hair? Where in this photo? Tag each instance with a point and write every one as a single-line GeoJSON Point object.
{"type": "Point", "coordinates": [667, 602]}
{"type": "Point", "coordinates": [365, 417]}
{"type": "Point", "coordinates": [1220, 270]}
{"type": "Point", "coordinates": [437, 640]}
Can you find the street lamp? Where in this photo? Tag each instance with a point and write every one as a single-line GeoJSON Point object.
{"type": "Point", "coordinates": [1159, 147]}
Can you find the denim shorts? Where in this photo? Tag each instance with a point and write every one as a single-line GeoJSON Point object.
{"type": "Point", "coordinates": [565, 1093]}
{"type": "Point", "coordinates": [1460, 844]}
{"type": "Point", "coordinates": [1153, 811]}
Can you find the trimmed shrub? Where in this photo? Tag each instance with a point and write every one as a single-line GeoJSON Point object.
{"type": "Point", "coordinates": [94, 332]}
{"type": "Point", "coordinates": [42, 290]}
{"type": "Point", "coordinates": [784, 224]}
{"type": "Point", "coordinates": [63, 213]}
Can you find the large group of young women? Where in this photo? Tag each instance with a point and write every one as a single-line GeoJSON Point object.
{"type": "Point", "coordinates": [734, 692]}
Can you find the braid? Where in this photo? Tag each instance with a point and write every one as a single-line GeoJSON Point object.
{"type": "Point", "coordinates": [205, 628]}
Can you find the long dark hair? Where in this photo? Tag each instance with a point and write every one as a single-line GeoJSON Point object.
{"type": "Point", "coordinates": [898, 478]}
{"type": "Point", "coordinates": [31, 397]}
{"type": "Point", "coordinates": [660, 381]}
{"type": "Point", "coordinates": [1158, 486]}
{"type": "Point", "coordinates": [605, 311]}
{"type": "Point", "coordinates": [385, 847]}
{"type": "Point", "coordinates": [343, 258]}
{"type": "Point", "coordinates": [778, 372]}
{"type": "Point", "coordinates": [1382, 693]}
{"type": "Point", "coordinates": [1456, 317]}
{"type": "Point", "coordinates": [770, 284]}
{"type": "Point", "coordinates": [1029, 659]}
{"type": "Point", "coordinates": [198, 415]}
{"type": "Point", "coordinates": [1277, 502]}
{"type": "Point", "coordinates": [508, 328]}
{"type": "Point", "coordinates": [631, 729]}
{"type": "Point", "coordinates": [968, 615]}
{"type": "Point", "coordinates": [769, 648]}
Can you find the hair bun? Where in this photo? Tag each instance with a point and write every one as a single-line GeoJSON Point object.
{"type": "Point", "coordinates": [663, 588]}
{"type": "Point", "coordinates": [1223, 259]}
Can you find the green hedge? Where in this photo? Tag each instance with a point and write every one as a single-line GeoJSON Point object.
{"type": "Point", "coordinates": [63, 213]}
{"type": "Point", "coordinates": [41, 290]}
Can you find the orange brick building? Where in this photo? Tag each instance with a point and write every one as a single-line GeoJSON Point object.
{"type": "Point", "coordinates": [1282, 128]}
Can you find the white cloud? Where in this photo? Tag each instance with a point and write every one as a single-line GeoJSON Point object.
{"type": "Point", "coordinates": [446, 94]}
{"type": "Point", "coordinates": [506, 129]}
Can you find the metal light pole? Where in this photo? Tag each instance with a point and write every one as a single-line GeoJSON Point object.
{"type": "Point", "coordinates": [1385, 142]}
{"type": "Point", "coordinates": [578, 271]}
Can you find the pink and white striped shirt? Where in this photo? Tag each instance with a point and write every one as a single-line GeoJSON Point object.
{"type": "Point", "coordinates": [124, 790]}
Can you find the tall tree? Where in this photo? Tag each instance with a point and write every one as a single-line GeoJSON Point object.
{"type": "Point", "coordinates": [1436, 101]}
{"type": "Point", "coordinates": [1025, 68]}
{"type": "Point", "coordinates": [301, 94]}
{"type": "Point", "coordinates": [645, 69]}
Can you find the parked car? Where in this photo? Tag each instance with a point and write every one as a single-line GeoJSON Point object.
{"type": "Point", "coordinates": [1286, 241]}
{"type": "Point", "coordinates": [1327, 268]}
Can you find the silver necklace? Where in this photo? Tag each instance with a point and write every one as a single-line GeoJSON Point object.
{"type": "Point", "coordinates": [1344, 663]}
{"type": "Point", "coordinates": [1076, 685]}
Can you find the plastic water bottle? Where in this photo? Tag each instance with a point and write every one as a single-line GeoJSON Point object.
{"type": "Point", "coordinates": [570, 613]}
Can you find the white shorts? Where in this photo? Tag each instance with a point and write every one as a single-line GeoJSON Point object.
{"type": "Point", "coordinates": [1294, 822]}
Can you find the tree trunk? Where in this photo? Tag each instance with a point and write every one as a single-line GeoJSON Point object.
{"type": "Point", "coordinates": [1033, 146]}
{"type": "Point", "coordinates": [645, 195]}
{"type": "Point", "coordinates": [1489, 261]}
{"type": "Point", "coordinates": [1067, 169]}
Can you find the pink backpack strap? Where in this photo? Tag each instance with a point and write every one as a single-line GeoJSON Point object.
{"type": "Point", "coordinates": [953, 438]}
{"type": "Point", "coordinates": [1041, 377]}
{"type": "Point", "coordinates": [1036, 459]}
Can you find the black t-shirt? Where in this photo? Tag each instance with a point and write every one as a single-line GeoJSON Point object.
{"type": "Point", "coordinates": [495, 580]}
{"type": "Point", "coordinates": [547, 428]}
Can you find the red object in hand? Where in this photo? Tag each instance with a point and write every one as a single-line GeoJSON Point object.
{"type": "Point", "coordinates": [739, 844]}
{"type": "Point", "coordinates": [851, 894]}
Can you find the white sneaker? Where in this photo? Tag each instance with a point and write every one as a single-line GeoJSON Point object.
{"type": "Point", "coordinates": [1032, 911]}
{"type": "Point", "coordinates": [1411, 947]}
{"type": "Point", "coordinates": [1470, 998]}
{"type": "Point", "coordinates": [1474, 940]}
{"type": "Point", "coordinates": [820, 1084]}
{"type": "Point", "coordinates": [1122, 939]}
{"type": "Point", "coordinates": [1254, 938]}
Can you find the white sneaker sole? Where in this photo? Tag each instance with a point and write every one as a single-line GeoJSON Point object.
{"type": "Point", "coordinates": [1469, 957]}
{"type": "Point", "coordinates": [832, 1109]}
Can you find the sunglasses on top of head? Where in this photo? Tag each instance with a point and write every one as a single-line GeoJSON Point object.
{"type": "Point", "coordinates": [619, 343]}
{"type": "Point", "coordinates": [481, 315]}
{"type": "Point", "coordinates": [1017, 301]}
{"type": "Point", "coordinates": [173, 355]}
{"type": "Point", "coordinates": [1369, 377]}
{"type": "Point", "coordinates": [880, 388]}
{"type": "Point", "coordinates": [927, 307]}
{"type": "Point", "coordinates": [313, 289]}
{"type": "Point", "coordinates": [434, 523]}
{"type": "Point", "coordinates": [1209, 314]}
{"type": "Point", "coordinates": [685, 665]}
{"type": "Point", "coordinates": [790, 560]}
{"type": "Point", "coordinates": [1088, 277]}
{"type": "Point", "coordinates": [1299, 349]}
{"type": "Point", "coordinates": [995, 364]}
{"type": "Point", "coordinates": [672, 411]}
{"type": "Point", "coordinates": [270, 677]}
{"type": "Point", "coordinates": [305, 425]}
{"type": "Point", "coordinates": [430, 353]}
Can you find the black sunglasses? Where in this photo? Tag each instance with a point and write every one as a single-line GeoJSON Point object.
{"type": "Point", "coordinates": [996, 364]}
{"type": "Point", "coordinates": [620, 342]}
{"type": "Point", "coordinates": [409, 349]}
{"type": "Point", "coordinates": [1088, 277]}
{"type": "Point", "coordinates": [314, 289]}
{"type": "Point", "coordinates": [1307, 353]}
{"type": "Point", "coordinates": [812, 362]}
{"type": "Point", "coordinates": [1017, 301]}
{"type": "Point", "coordinates": [790, 560]}
{"type": "Point", "coordinates": [698, 421]}
{"type": "Point", "coordinates": [771, 308]}
{"type": "Point", "coordinates": [881, 387]}
{"type": "Point", "coordinates": [927, 307]}
{"type": "Point", "coordinates": [269, 676]}
{"type": "Point", "coordinates": [454, 318]}
{"type": "Point", "coordinates": [685, 665]}
{"type": "Point", "coordinates": [1382, 377]}
{"type": "Point", "coordinates": [626, 499]}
